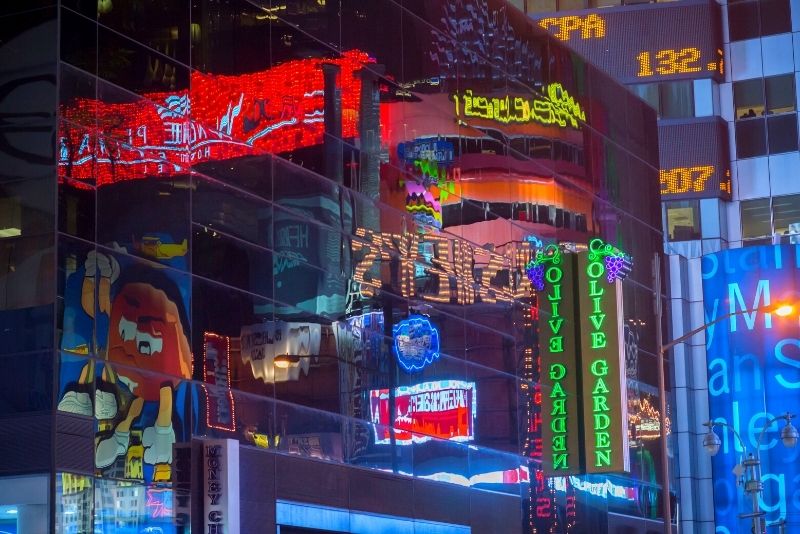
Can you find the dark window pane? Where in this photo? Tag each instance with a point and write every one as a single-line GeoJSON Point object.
{"type": "Point", "coordinates": [683, 220]}
{"type": "Point", "coordinates": [776, 17]}
{"type": "Point", "coordinates": [782, 131]}
{"type": "Point", "coordinates": [750, 138]}
{"type": "Point", "coordinates": [743, 21]}
{"type": "Point", "coordinates": [755, 218]}
{"type": "Point", "coordinates": [748, 97]}
{"type": "Point", "coordinates": [677, 99]}
{"type": "Point", "coordinates": [780, 94]}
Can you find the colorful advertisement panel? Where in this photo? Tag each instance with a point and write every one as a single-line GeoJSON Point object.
{"type": "Point", "coordinates": [553, 273]}
{"type": "Point", "coordinates": [605, 417]}
{"type": "Point", "coordinates": [444, 409]}
{"type": "Point", "coordinates": [753, 375]}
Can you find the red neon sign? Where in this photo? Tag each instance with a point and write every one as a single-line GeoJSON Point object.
{"type": "Point", "coordinates": [220, 117]}
{"type": "Point", "coordinates": [443, 410]}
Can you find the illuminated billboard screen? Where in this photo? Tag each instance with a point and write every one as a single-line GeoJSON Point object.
{"type": "Point", "coordinates": [694, 159]}
{"type": "Point", "coordinates": [753, 375]}
{"type": "Point", "coordinates": [636, 44]}
{"type": "Point", "coordinates": [443, 410]}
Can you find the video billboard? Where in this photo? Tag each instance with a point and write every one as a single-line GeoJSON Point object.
{"type": "Point", "coordinates": [753, 375]}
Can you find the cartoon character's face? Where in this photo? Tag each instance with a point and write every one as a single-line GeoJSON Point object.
{"type": "Point", "coordinates": [146, 331]}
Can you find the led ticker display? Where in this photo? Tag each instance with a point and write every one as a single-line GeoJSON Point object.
{"type": "Point", "coordinates": [694, 159]}
{"type": "Point", "coordinates": [753, 361]}
{"type": "Point", "coordinates": [444, 409]}
{"type": "Point", "coordinates": [220, 117]}
{"type": "Point", "coordinates": [592, 26]}
{"type": "Point", "coordinates": [600, 270]}
{"type": "Point", "coordinates": [683, 61]}
{"type": "Point", "coordinates": [552, 275]}
{"type": "Point", "coordinates": [557, 107]}
{"type": "Point", "coordinates": [635, 43]}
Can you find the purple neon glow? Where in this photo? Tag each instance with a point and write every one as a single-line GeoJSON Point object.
{"type": "Point", "coordinates": [536, 275]}
{"type": "Point", "coordinates": [616, 268]}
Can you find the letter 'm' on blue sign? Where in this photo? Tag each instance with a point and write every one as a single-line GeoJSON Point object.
{"type": "Point", "coordinates": [753, 363]}
{"type": "Point", "coordinates": [416, 343]}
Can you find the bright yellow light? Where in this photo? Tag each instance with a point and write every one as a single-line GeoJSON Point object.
{"type": "Point", "coordinates": [784, 310]}
{"type": "Point", "coordinates": [282, 361]}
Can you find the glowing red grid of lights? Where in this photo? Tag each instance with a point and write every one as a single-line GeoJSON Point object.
{"type": "Point", "coordinates": [111, 142]}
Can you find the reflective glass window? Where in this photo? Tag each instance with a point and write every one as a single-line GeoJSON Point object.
{"type": "Point", "coordinates": [782, 133]}
{"type": "Point", "coordinates": [751, 138]}
{"type": "Point", "coordinates": [755, 218]}
{"type": "Point", "coordinates": [748, 98]}
{"type": "Point", "coordinates": [780, 94]}
{"type": "Point", "coordinates": [786, 215]}
{"type": "Point", "coordinates": [683, 220]}
{"type": "Point", "coordinates": [676, 99]}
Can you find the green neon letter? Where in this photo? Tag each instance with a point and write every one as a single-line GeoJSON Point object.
{"type": "Point", "coordinates": [557, 371]}
{"type": "Point", "coordinates": [598, 340]}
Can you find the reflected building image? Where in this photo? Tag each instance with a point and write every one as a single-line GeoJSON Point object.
{"type": "Point", "coordinates": [323, 267]}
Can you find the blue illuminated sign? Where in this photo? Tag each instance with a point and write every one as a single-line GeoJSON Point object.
{"type": "Point", "coordinates": [753, 375]}
{"type": "Point", "coordinates": [416, 343]}
{"type": "Point", "coordinates": [426, 149]}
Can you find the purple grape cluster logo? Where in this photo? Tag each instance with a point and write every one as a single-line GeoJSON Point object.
{"type": "Point", "coordinates": [535, 268]}
{"type": "Point", "coordinates": [617, 263]}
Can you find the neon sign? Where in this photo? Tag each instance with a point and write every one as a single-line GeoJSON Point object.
{"type": "Point", "coordinates": [220, 117]}
{"type": "Point", "coordinates": [553, 271]}
{"type": "Point", "coordinates": [220, 407]}
{"type": "Point", "coordinates": [589, 27]}
{"type": "Point", "coordinates": [683, 61]}
{"type": "Point", "coordinates": [416, 343]}
{"type": "Point", "coordinates": [432, 183]}
{"type": "Point", "coordinates": [452, 259]}
{"type": "Point", "coordinates": [426, 149]}
{"type": "Point", "coordinates": [556, 108]}
{"type": "Point", "coordinates": [444, 409]}
{"type": "Point", "coordinates": [605, 402]}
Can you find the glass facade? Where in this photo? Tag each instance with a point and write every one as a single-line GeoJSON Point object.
{"type": "Point", "coordinates": [305, 226]}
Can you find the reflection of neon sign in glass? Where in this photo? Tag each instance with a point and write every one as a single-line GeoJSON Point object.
{"type": "Point", "coordinates": [416, 343]}
{"type": "Point", "coordinates": [220, 117]}
{"type": "Point", "coordinates": [159, 503]}
{"type": "Point", "coordinates": [444, 409]}
{"type": "Point", "coordinates": [554, 270]}
{"type": "Point", "coordinates": [603, 489]}
{"type": "Point", "coordinates": [220, 406]}
{"type": "Point", "coordinates": [557, 107]}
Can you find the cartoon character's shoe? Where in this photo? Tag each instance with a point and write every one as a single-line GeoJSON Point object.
{"type": "Point", "coordinates": [108, 450]}
{"type": "Point", "coordinates": [105, 405]}
{"type": "Point", "coordinates": [158, 441]}
{"type": "Point", "coordinates": [76, 402]}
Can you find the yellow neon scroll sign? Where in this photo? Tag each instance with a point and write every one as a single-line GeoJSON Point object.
{"type": "Point", "coordinates": [589, 27]}
{"type": "Point", "coordinates": [556, 108]}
